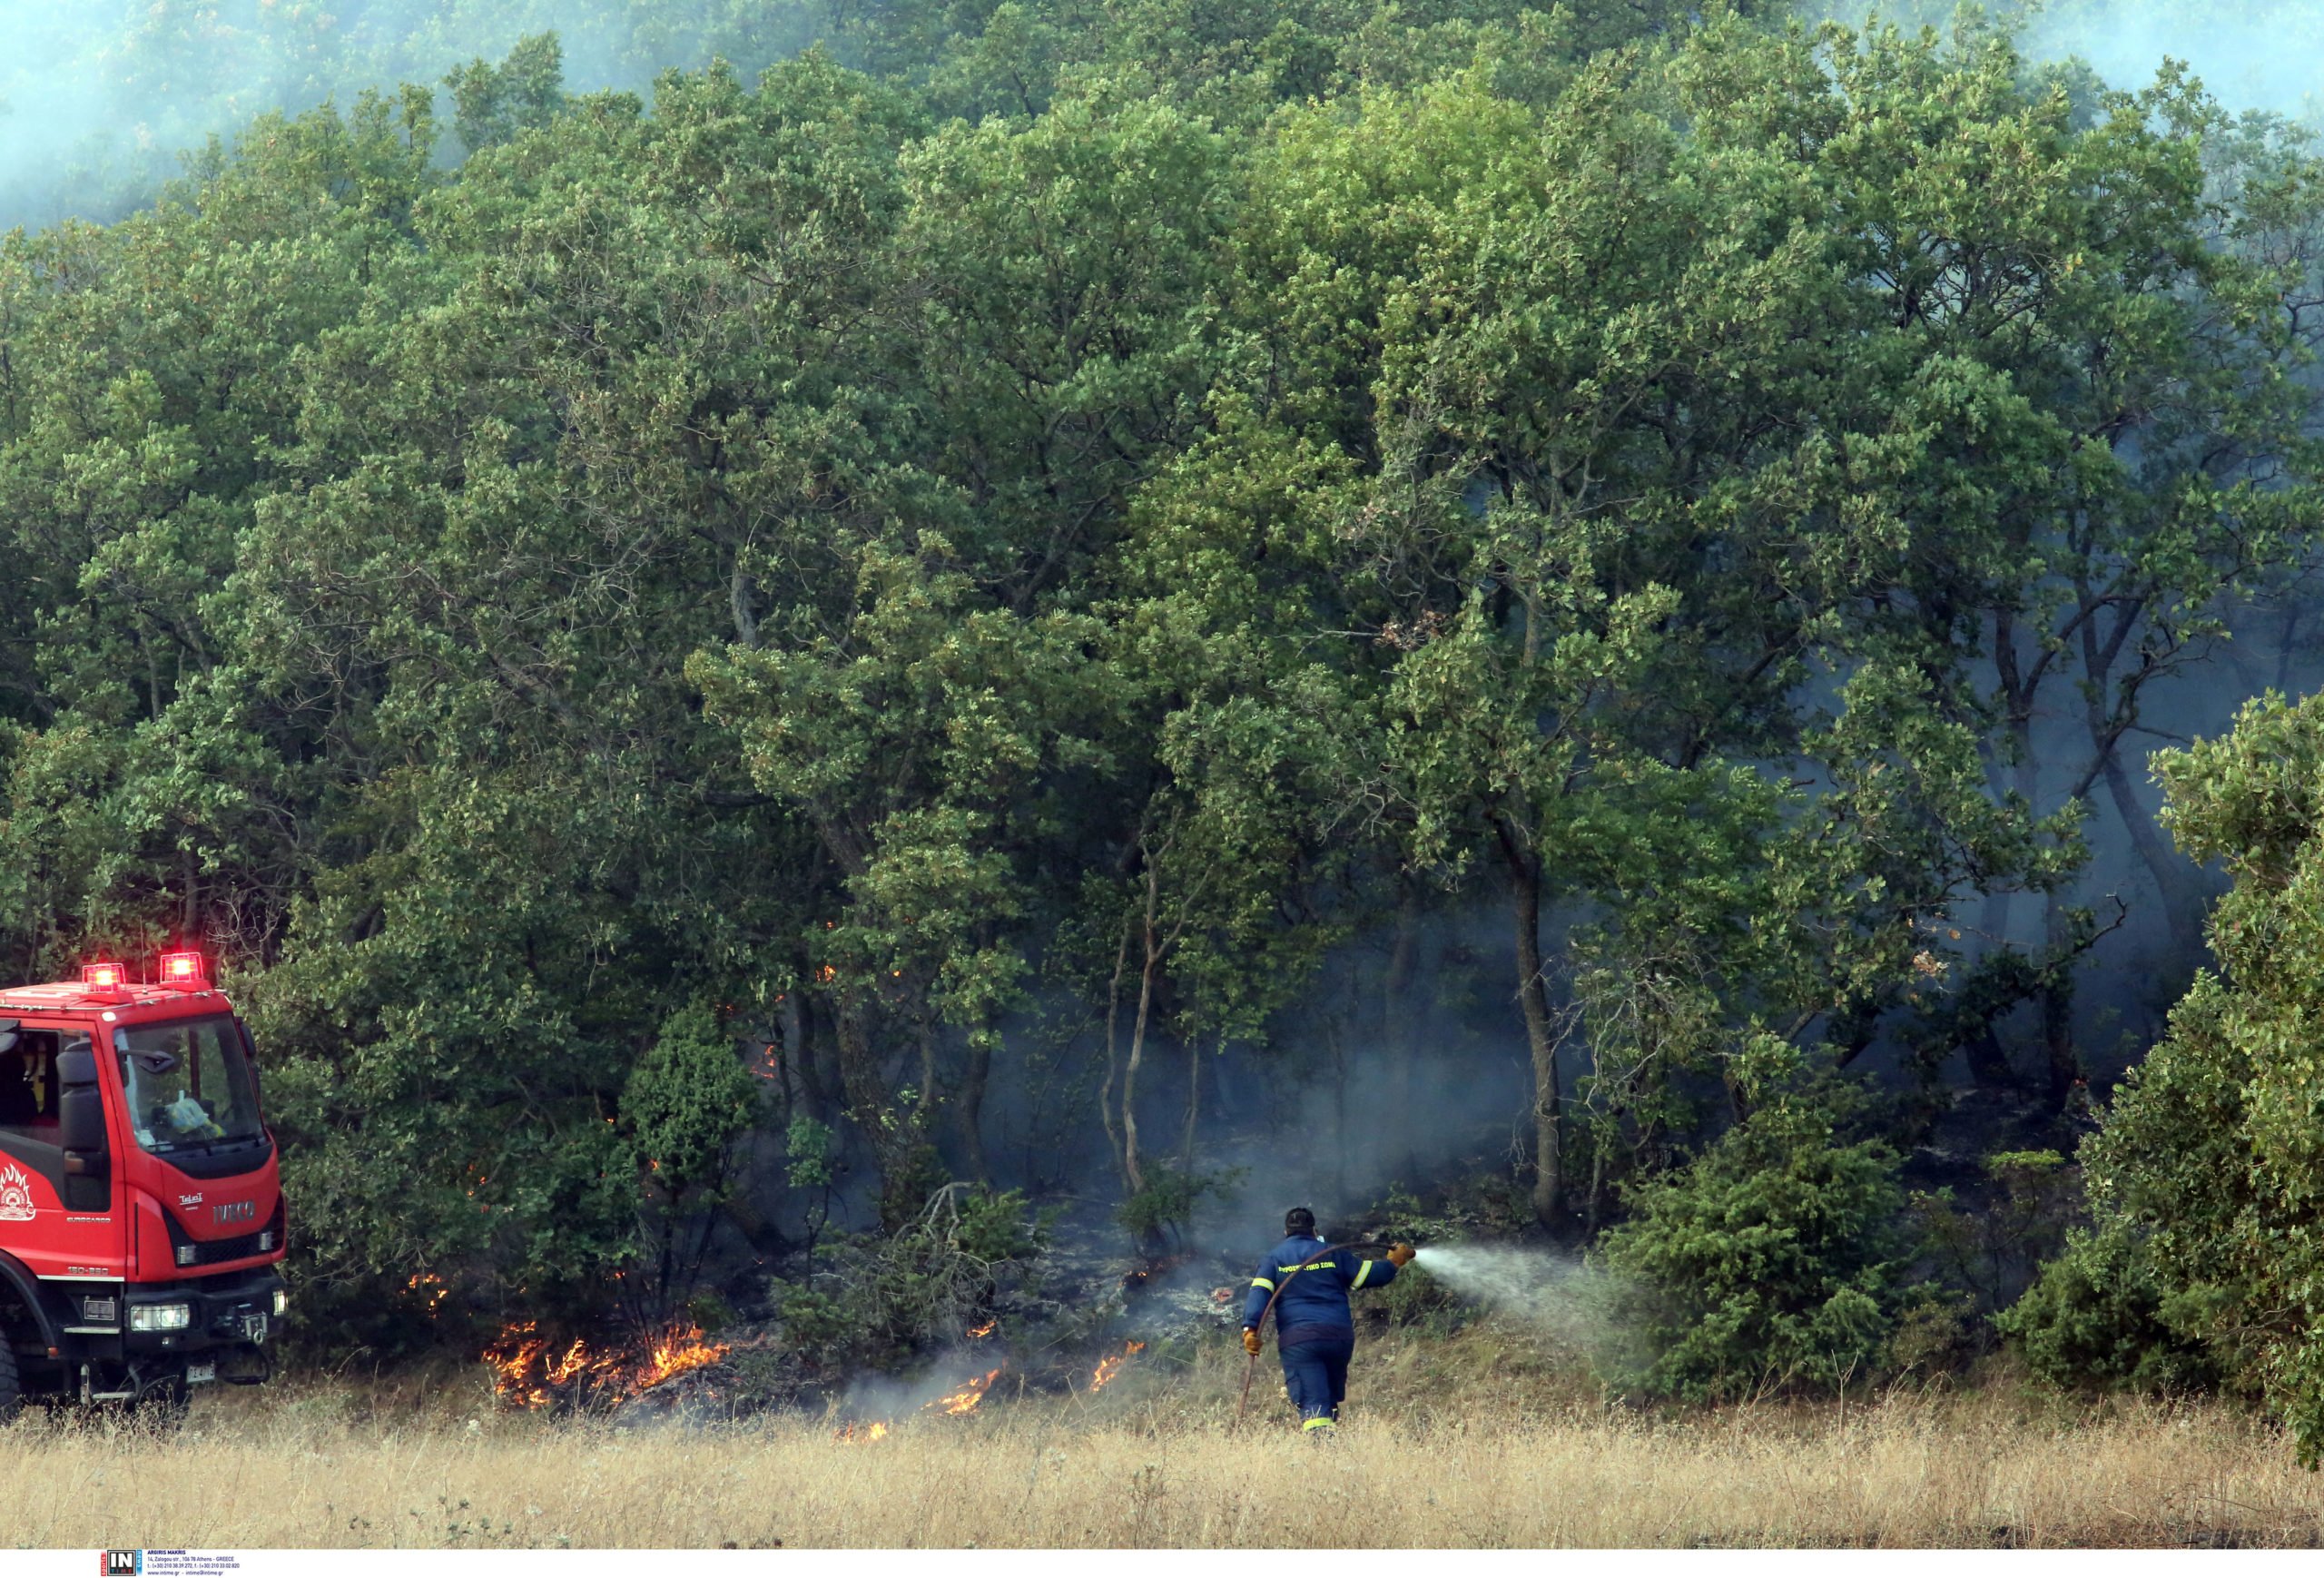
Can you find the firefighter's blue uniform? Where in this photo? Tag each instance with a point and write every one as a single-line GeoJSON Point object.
{"type": "Point", "coordinates": [1315, 1330]}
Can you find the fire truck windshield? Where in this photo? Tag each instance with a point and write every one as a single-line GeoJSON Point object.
{"type": "Point", "coordinates": [188, 1084]}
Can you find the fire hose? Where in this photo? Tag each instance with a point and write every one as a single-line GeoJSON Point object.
{"type": "Point", "coordinates": [1250, 1367]}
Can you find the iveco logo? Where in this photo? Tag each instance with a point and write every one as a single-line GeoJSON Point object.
{"type": "Point", "coordinates": [233, 1211]}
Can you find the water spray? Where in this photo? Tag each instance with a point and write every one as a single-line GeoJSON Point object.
{"type": "Point", "coordinates": [1558, 1295]}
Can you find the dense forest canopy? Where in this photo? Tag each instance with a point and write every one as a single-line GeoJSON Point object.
{"type": "Point", "coordinates": [1132, 606]}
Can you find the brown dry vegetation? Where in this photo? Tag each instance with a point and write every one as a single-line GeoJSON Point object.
{"type": "Point", "coordinates": [1471, 1441]}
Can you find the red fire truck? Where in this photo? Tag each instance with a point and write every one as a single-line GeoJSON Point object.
{"type": "Point", "coordinates": [140, 1207]}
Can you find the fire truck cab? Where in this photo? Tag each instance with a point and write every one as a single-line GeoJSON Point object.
{"type": "Point", "coordinates": [141, 1206]}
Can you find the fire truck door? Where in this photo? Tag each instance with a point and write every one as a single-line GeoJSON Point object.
{"type": "Point", "coordinates": [61, 1222]}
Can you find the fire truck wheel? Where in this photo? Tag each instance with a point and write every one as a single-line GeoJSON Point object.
{"type": "Point", "coordinates": [11, 1391]}
{"type": "Point", "coordinates": [165, 1406]}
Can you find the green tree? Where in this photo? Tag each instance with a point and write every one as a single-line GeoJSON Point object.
{"type": "Point", "coordinates": [491, 104]}
{"type": "Point", "coordinates": [687, 1102]}
{"type": "Point", "coordinates": [1768, 1263]}
{"type": "Point", "coordinates": [2208, 1246]}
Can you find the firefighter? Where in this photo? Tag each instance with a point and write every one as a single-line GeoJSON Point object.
{"type": "Point", "coordinates": [1315, 1330]}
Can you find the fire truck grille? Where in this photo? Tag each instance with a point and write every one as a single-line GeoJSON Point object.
{"type": "Point", "coordinates": [192, 1252]}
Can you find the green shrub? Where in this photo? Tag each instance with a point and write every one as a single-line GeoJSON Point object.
{"type": "Point", "coordinates": [881, 1300]}
{"type": "Point", "coordinates": [2207, 1180]}
{"type": "Point", "coordinates": [2094, 1316]}
{"type": "Point", "coordinates": [1164, 1209]}
{"type": "Point", "coordinates": [1936, 1330]}
{"type": "Point", "coordinates": [687, 1100]}
{"type": "Point", "coordinates": [1764, 1264]}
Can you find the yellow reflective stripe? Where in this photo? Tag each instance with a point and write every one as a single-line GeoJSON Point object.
{"type": "Point", "coordinates": [1362, 1272]}
{"type": "Point", "coordinates": [1320, 1423]}
{"type": "Point", "coordinates": [1262, 1282]}
{"type": "Point", "coordinates": [1303, 1265]}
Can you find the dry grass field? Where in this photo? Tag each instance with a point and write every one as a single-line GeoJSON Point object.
{"type": "Point", "coordinates": [1463, 1443]}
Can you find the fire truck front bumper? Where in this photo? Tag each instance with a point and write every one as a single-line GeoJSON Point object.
{"type": "Point", "coordinates": [203, 1315]}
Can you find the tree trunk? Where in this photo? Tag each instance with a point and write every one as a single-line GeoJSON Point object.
{"type": "Point", "coordinates": [973, 1080]}
{"type": "Point", "coordinates": [1338, 1038]}
{"type": "Point", "coordinates": [1114, 1060]}
{"type": "Point", "coordinates": [2182, 903]}
{"type": "Point", "coordinates": [1131, 1171]}
{"type": "Point", "coordinates": [2017, 719]}
{"type": "Point", "coordinates": [1596, 1203]}
{"type": "Point", "coordinates": [893, 1136]}
{"type": "Point", "coordinates": [806, 1057]}
{"type": "Point", "coordinates": [1540, 1033]}
{"type": "Point", "coordinates": [2057, 1011]}
{"type": "Point", "coordinates": [923, 1105]}
{"type": "Point", "coordinates": [1989, 1059]}
{"type": "Point", "coordinates": [1193, 1107]}
{"type": "Point", "coordinates": [1398, 1031]}
{"type": "Point", "coordinates": [1989, 1064]}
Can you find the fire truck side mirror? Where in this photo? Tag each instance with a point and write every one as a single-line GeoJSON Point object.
{"type": "Point", "coordinates": [81, 1113]}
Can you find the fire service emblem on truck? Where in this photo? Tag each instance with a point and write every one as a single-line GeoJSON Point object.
{"type": "Point", "coordinates": [16, 1196]}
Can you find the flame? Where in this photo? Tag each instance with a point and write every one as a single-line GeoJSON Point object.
{"type": "Point", "coordinates": [574, 1362]}
{"type": "Point", "coordinates": [1110, 1367]}
{"type": "Point", "coordinates": [430, 1288]}
{"type": "Point", "coordinates": [676, 1352]}
{"type": "Point", "coordinates": [986, 1329]}
{"type": "Point", "coordinates": [963, 1400]}
{"type": "Point", "coordinates": [1140, 1276]}
{"type": "Point", "coordinates": [512, 1358]}
{"type": "Point", "coordinates": [971, 1394]}
{"type": "Point", "coordinates": [527, 1374]}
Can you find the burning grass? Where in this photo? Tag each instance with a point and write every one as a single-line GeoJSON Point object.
{"type": "Point", "coordinates": [1112, 1365]}
{"type": "Point", "coordinates": [527, 1371]}
{"type": "Point", "coordinates": [1465, 1442]}
{"type": "Point", "coordinates": [965, 1400]}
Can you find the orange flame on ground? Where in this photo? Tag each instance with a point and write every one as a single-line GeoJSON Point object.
{"type": "Point", "coordinates": [575, 1362]}
{"type": "Point", "coordinates": [512, 1359]}
{"type": "Point", "coordinates": [964, 1400]}
{"type": "Point", "coordinates": [676, 1351]}
{"type": "Point", "coordinates": [986, 1329]}
{"type": "Point", "coordinates": [971, 1394]}
{"type": "Point", "coordinates": [1108, 1368]}
{"type": "Point", "coordinates": [525, 1372]}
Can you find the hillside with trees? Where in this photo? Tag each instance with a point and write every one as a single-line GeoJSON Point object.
{"type": "Point", "coordinates": [1100, 613]}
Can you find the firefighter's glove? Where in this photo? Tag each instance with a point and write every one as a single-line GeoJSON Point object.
{"type": "Point", "coordinates": [1251, 1341]}
{"type": "Point", "coordinates": [1401, 1256]}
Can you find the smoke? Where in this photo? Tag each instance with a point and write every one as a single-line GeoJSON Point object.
{"type": "Point", "coordinates": [2260, 56]}
{"type": "Point", "coordinates": [955, 1383]}
{"type": "Point", "coordinates": [99, 98]}
{"type": "Point", "coordinates": [2250, 54]}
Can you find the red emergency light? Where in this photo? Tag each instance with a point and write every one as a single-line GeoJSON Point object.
{"type": "Point", "coordinates": [184, 969]}
{"type": "Point", "coordinates": [105, 977]}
